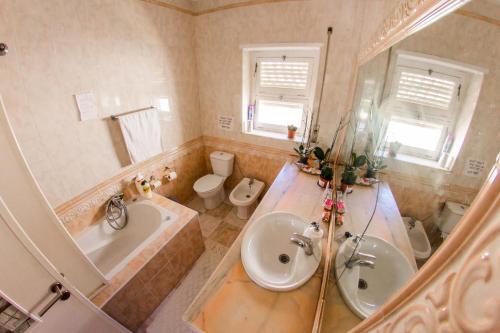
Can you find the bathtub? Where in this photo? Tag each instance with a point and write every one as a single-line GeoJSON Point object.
{"type": "Point", "coordinates": [110, 250]}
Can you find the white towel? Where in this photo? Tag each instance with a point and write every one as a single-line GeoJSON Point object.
{"type": "Point", "coordinates": [142, 135]}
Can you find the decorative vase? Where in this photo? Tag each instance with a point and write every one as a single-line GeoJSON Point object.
{"type": "Point", "coordinates": [323, 183]}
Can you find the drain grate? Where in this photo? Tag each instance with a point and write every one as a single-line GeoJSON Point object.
{"type": "Point", "coordinates": [362, 284]}
{"type": "Point", "coordinates": [284, 258]}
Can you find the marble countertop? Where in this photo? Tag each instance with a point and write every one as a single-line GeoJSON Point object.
{"type": "Point", "coordinates": [184, 216]}
{"type": "Point", "coordinates": [231, 302]}
{"type": "Point", "coordinates": [386, 224]}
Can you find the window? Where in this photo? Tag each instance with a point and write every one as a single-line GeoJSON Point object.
{"type": "Point", "coordinates": [281, 85]}
{"type": "Point", "coordinates": [424, 105]}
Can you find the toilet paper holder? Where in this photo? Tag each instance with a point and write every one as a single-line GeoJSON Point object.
{"type": "Point", "coordinates": [171, 175]}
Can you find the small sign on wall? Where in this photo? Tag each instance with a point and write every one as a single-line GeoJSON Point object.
{"type": "Point", "coordinates": [87, 106]}
{"type": "Point", "coordinates": [225, 122]}
{"type": "Point", "coordinates": [473, 167]}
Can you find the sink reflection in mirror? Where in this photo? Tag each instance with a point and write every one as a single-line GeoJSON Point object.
{"type": "Point", "coordinates": [425, 114]}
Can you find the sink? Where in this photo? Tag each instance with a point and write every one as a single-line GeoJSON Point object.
{"type": "Point", "coordinates": [418, 238]}
{"type": "Point", "coordinates": [270, 259]}
{"type": "Point", "coordinates": [365, 289]}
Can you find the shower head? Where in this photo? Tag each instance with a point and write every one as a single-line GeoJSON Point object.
{"type": "Point", "coordinates": [4, 49]}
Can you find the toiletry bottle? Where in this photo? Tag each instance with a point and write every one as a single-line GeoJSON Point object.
{"type": "Point", "coordinates": [314, 232]}
{"type": "Point", "coordinates": [143, 186]}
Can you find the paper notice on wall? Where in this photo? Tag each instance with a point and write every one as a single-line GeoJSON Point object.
{"type": "Point", "coordinates": [87, 106]}
{"type": "Point", "coordinates": [225, 123]}
{"type": "Point", "coordinates": [473, 167]}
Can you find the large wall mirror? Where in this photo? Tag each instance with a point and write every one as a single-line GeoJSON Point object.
{"type": "Point", "coordinates": [425, 120]}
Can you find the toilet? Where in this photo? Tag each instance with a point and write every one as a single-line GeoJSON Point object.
{"type": "Point", "coordinates": [211, 187]}
{"type": "Point", "coordinates": [418, 238]}
{"type": "Point", "coordinates": [450, 215]}
{"type": "Point", "coordinates": [244, 196]}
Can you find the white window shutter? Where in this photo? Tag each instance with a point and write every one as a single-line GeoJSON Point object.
{"type": "Point", "coordinates": [284, 74]}
{"type": "Point", "coordinates": [424, 95]}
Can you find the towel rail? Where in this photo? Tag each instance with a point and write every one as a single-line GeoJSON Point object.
{"type": "Point", "coordinates": [115, 117]}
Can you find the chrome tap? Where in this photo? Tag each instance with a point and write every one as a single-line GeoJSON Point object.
{"type": "Point", "coordinates": [361, 259]}
{"type": "Point", "coordinates": [353, 262]}
{"type": "Point", "coordinates": [250, 183]}
{"type": "Point", "coordinates": [304, 242]}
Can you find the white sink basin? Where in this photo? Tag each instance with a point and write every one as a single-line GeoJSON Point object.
{"type": "Point", "coordinates": [392, 270]}
{"type": "Point", "coordinates": [266, 240]}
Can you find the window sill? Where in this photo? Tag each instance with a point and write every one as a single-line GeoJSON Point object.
{"type": "Point", "coordinates": [274, 135]}
{"type": "Point", "coordinates": [416, 160]}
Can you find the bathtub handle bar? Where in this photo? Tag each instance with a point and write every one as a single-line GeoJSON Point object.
{"type": "Point", "coordinates": [61, 295]}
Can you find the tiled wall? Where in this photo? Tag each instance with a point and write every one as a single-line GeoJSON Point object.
{"type": "Point", "coordinates": [252, 161]}
{"type": "Point", "coordinates": [129, 53]}
{"type": "Point", "coordinates": [187, 160]}
{"type": "Point", "coordinates": [219, 37]}
{"type": "Point", "coordinates": [137, 300]}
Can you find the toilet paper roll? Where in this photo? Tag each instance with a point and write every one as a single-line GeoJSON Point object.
{"type": "Point", "coordinates": [172, 175]}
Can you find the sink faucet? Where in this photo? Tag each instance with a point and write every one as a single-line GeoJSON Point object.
{"type": "Point", "coordinates": [304, 242]}
{"type": "Point", "coordinates": [361, 259]}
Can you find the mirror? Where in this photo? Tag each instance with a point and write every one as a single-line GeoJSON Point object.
{"type": "Point", "coordinates": [421, 139]}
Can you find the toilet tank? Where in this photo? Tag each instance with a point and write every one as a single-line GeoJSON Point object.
{"type": "Point", "coordinates": [450, 215]}
{"type": "Point", "coordinates": [222, 163]}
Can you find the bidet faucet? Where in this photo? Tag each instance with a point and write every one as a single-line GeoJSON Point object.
{"type": "Point", "coordinates": [303, 242]}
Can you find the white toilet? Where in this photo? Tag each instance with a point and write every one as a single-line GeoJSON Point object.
{"type": "Point", "coordinates": [450, 215]}
{"type": "Point", "coordinates": [211, 187]}
{"type": "Point", "coordinates": [244, 196]}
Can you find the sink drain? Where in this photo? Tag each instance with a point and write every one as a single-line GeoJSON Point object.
{"type": "Point", "coordinates": [362, 284]}
{"type": "Point", "coordinates": [284, 258]}
{"type": "Point", "coordinates": [248, 195]}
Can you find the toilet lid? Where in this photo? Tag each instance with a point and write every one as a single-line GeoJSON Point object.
{"type": "Point", "coordinates": [208, 183]}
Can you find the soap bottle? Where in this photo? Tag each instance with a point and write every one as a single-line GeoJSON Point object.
{"type": "Point", "coordinates": [143, 186]}
{"type": "Point", "coordinates": [351, 246]}
{"type": "Point", "coordinates": [314, 232]}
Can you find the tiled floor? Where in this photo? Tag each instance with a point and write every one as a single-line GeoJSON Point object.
{"type": "Point", "coordinates": [219, 227]}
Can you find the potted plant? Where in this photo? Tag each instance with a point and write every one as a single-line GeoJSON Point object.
{"type": "Point", "coordinates": [350, 175]}
{"type": "Point", "coordinates": [292, 129]}
{"type": "Point", "coordinates": [303, 152]}
{"type": "Point", "coordinates": [321, 155]}
{"type": "Point", "coordinates": [374, 166]}
{"type": "Point", "coordinates": [325, 176]}
{"type": "Point", "coordinates": [394, 148]}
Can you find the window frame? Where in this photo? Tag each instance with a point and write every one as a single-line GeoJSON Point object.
{"type": "Point", "coordinates": [301, 53]}
{"type": "Point", "coordinates": [420, 63]}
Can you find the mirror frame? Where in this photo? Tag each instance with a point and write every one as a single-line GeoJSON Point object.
{"type": "Point", "coordinates": [435, 297]}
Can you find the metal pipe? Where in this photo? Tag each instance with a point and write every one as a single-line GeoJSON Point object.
{"type": "Point", "coordinates": [115, 117]}
{"type": "Point", "coordinates": [316, 126]}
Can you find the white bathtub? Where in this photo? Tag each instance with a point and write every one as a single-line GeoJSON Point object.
{"type": "Point", "coordinates": [110, 250]}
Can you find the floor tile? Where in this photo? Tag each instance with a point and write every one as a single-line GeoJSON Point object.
{"type": "Point", "coordinates": [215, 247]}
{"type": "Point", "coordinates": [234, 220]}
{"type": "Point", "coordinates": [220, 211]}
{"type": "Point", "coordinates": [208, 224]}
{"type": "Point", "coordinates": [225, 234]}
{"type": "Point", "coordinates": [197, 204]}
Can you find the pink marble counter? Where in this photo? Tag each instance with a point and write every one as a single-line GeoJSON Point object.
{"type": "Point", "coordinates": [231, 302]}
